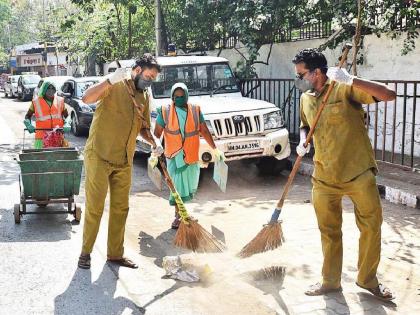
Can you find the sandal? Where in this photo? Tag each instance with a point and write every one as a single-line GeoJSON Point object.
{"type": "Point", "coordinates": [319, 289]}
{"type": "Point", "coordinates": [124, 262]}
{"type": "Point", "coordinates": [84, 261]}
{"type": "Point", "coordinates": [175, 223]}
{"type": "Point", "coordinates": [381, 292]}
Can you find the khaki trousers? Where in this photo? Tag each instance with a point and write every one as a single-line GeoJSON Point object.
{"type": "Point", "coordinates": [368, 212]}
{"type": "Point", "coordinates": [99, 176]}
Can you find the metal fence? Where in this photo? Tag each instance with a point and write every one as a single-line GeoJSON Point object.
{"type": "Point", "coordinates": [313, 30]}
{"type": "Point", "coordinates": [393, 127]}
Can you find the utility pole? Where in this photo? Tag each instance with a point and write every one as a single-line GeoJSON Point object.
{"type": "Point", "coordinates": [158, 27]}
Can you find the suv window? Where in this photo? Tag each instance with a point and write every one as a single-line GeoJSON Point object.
{"type": "Point", "coordinates": [201, 79]}
{"type": "Point", "coordinates": [33, 79]}
{"type": "Point", "coordinates": [81, 87]}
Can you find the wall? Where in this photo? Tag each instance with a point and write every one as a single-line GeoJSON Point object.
{"type": "Point", "coordinates": [383, 58]}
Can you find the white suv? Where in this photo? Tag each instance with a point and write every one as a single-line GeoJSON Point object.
{"type": "Point", "coordinates": [242, 127]}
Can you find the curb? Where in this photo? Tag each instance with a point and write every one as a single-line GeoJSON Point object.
{"type": "Point", "coordinates": [392, 194]}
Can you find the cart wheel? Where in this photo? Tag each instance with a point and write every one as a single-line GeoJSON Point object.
{"type": "Point", "coordinates": [77, 213]}
{"type": "Point", "coordinates": [16, 212]}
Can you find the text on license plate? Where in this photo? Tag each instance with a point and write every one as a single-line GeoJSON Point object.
{"type": "Point", "coordinates": [243, 146]}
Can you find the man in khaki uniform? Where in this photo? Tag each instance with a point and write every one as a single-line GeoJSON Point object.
{"type": "Point", "coordinates": [344, 165]}
{"type": "Point", "coordinates": [109, 154]}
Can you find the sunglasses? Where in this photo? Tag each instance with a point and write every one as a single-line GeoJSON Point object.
{"type": "Point", "coordinates": [301, 75]}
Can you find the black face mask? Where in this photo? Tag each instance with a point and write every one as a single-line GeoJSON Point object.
{"type": "Point", "coordinates": [141, 83]}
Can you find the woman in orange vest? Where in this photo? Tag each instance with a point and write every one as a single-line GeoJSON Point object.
{"type": "Point", "coordinates": [182, 124]}
{"type": "Point", "coordinates": [49, 113]}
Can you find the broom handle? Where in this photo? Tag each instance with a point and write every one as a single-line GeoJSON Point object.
{"type": "Point", "coordinates": [310, 134]}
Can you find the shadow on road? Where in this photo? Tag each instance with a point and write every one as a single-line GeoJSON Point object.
{"type": "Point", "coordinates": [160, 246]}
{"type": "Point", "coordinates": [84, 297]}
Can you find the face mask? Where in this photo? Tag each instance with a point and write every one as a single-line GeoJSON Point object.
{"type": "Point", "coordinates": [142, 84]}
{"type": "Point", "coordinates": [303, 85]}
{"type": "Point", "coordinates": [49, 94]}
{"type": "Point", "coordinates": [180, 101]}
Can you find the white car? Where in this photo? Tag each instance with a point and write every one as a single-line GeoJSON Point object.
{"type": "Point", "coordinates": [11, 85]}
{"type": "Point", "coordinates": [242, 127]}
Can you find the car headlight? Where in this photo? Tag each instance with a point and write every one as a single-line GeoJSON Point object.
{"type": "Point", "coordinates": [86, 108]}
{"type": "Point", "coordinates": [273, 120]}
{"type": "Point", "coordinates": [208, 123]}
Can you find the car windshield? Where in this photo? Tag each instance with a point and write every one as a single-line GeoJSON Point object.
{"type": "Point", "coordinates": [83, 86]}
{"type": "Point", "coordinates": [33, 79]}
{"type": "Point", "coordinates": [201, 79]}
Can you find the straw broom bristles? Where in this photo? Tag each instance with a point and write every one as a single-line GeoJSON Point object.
{"type": "Point", "coordinates": [269, 238]}
{"type": "Point", "coordinates": [191, 234]}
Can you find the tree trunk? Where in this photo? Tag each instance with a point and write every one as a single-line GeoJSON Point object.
{"type": "Point", "coordinates": [357, 35]}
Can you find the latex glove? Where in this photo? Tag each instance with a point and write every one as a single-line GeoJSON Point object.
{"type": "Point", "coordinates": [218, 154]}
{"type": "Point", "coordinates": [29, 126]}
{"type": "Point", "coordinates": [301, 150]}
{"type": "Point", "coordinates": [158, 150]}
{"type": "Point", "coordinates": [119, 75]}
{"type": "Point", "coordinates": [67, 125]}
{"type": "Point", "coordinates": [340, 75]}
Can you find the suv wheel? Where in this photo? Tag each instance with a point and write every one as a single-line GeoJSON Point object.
{"type": "Point", "coordinates": [268, 165]}
{"type": "Point", "coordinates": [75, 128]}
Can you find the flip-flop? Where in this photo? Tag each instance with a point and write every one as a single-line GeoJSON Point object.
{"type": "Point", "coordinates": [381, 292]}
{"type": "Point", "coordinates": [84, 261]}
{"type": "Point", "coordinates": [124, 262]}
{"type": "Point", "coordinates": [318, 289]}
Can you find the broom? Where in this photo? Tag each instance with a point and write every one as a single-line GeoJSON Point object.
{"type": "Point", "coordinates": [271, 235]}
{"type": "Point", "coordinates": [190, 234]}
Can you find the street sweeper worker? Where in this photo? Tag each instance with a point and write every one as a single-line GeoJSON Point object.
{"type": "Point", "coordinates": [49, 112]}
{"type": "Point", "coordinates": [182, 123]}
{"type": "Point", "coordinates": [109, 152]}
{"type": "Point", "coordinates": [344, 165]}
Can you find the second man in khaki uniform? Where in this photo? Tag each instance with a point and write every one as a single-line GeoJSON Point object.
{"type": "Point", "coordinates": [344, 165]}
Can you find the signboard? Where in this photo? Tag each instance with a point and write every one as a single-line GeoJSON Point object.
{"type": "Point", "coordinates": [30, 60]}
{"type": "Point", "coordinates": [12, 62]}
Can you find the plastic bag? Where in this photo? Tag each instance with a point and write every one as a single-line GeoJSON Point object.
{"type": "Point", "coordinates": [53, 139]}
{"type": "Point", "coordinates": [175, 270]}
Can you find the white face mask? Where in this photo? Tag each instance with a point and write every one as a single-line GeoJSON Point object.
{"type": "Point", "coordinates": [303, 85]}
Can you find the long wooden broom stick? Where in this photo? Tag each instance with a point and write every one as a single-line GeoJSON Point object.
{"type": "Point", "coordinates": [190, 234]}
{"type": "Point", "coordinates": [271, 236]}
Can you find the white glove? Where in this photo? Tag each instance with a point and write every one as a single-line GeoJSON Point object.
{"type": "Point", "coordinates": [119, 75]}
{"type": "Point", "coordinates": [218, 154]}
{"type": "Point", "coordinates": [301, 150]}
{"type": "Point", "coordinates": [340, 75]}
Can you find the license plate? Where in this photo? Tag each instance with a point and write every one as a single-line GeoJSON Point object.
{"type": "Point", "coordinates": [244, 146]}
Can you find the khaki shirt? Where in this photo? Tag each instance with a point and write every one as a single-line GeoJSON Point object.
{"type": "Point", "coordinates": [342, 146]}
{"type": "Point", "coordinates": [116, 124]}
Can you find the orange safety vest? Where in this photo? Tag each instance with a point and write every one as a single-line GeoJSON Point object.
{"type": "Point", "coordinates": [172, 134]}
{"type": "Point", "coordinates": [46, 116]}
